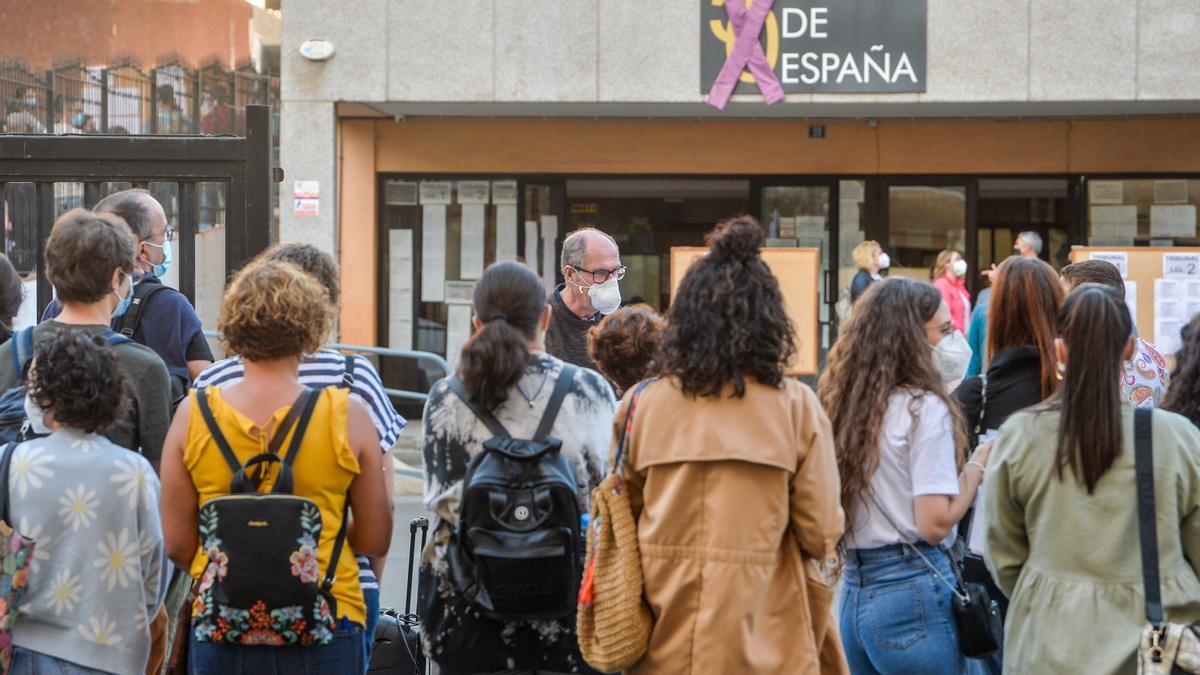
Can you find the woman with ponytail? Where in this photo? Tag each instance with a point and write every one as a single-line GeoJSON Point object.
{"type": "Point", "coordinates": [1061, 506]}
{"type": "Point", "coordinates": [731, 474]}
{"type": "Point", "coordinates": [506, 371]}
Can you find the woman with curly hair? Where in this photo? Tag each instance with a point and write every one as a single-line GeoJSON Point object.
{"type": "Point", "coordinates": [98, 573]}
{"type": "Point", "coordinates": [731, 473]}
{"type": "Point", "coordinates": [274, 313]}
{"type": "Point", "coordinates": [899, 450]}
{"type": "Point", "coordinates": [1184, 395]}
{"type": "Point", "coordinates": [625, 344]}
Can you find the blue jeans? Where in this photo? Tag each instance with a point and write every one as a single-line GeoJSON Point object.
{"type": "Point", "coordinates": [371, 597]}
{"type": "Point", "coordinates": [344, 655]}
{"type": "Point", "coordinates": [26, 662]}
{"type": "Point", "coordinates": [895, 615]}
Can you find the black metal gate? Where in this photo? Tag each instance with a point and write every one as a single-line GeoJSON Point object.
{"type": "Point", "coordinates": [208, 185]}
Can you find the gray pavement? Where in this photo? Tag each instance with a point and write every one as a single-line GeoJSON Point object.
{"type": "Point", "coordinates": [393, 588]}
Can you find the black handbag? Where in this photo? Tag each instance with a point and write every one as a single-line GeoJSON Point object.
{"type": "Point", "coordinates": [977, 616]}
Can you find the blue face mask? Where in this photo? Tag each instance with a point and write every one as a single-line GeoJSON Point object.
{"type": "Point", "coordinates": [160, 270]}
{"type": "Point", "coordinates": [123, 305]}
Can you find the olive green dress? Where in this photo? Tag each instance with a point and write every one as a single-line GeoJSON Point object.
{"type": "Point", "coordinates": [1070, 562]}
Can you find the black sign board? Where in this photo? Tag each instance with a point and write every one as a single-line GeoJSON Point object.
{"type": "Point", "coordinates": [831, 46]}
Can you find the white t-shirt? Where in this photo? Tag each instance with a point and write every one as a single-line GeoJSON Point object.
{"type": "Point", "coordinates": [913, 461]}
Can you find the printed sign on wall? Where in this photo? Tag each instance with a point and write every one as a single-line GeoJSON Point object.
{"type": "Point", "coordinates": [847, 46]}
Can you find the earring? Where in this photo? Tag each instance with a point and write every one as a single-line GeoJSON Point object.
{"type": "Point", "coordinates": [1062, 370]}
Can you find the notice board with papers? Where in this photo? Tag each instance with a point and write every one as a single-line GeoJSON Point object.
{"type": "Point", "coordinates": [1162, 287]}
{"type": "Point", "coordinates": [798, 272]}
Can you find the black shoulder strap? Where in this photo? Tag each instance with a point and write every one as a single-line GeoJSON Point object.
{"type": "Point", "coordinates": [331, 572]}
{"type": "Point", "coordinates": [128, 322]}
{"type": "Point", "coordinates": [561, 386]}
{"type": "Point", "coordinates": [307, 402]}
{"type": "Point", "coordinates": [348, 365]}
{"type": "Point", "coordinates": [484, 416]}
{"type": "Point", "coordinates": [5, 462]}
{"type": "Point", "coordinates": [214, 430]}
{"type": "Point", "coordinates": [1143, 446]}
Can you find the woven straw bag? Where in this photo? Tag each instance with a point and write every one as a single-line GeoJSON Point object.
{"type": "Point", "coordinates": [613, 622]}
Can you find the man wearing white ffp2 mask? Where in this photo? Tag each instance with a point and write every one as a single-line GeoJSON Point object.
{"type": "Point", "coordinates": [591, 269]}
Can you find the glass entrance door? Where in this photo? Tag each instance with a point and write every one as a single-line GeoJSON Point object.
{"type": "Point", "coordinates": [800, 216]}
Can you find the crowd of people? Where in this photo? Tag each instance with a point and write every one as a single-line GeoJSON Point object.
{"type": "Point", "coordinates": [234, 516]}
{"type": "Point", "coordinates": [130, 443]}
{"type": "Point", "coordinates": [782, 530]}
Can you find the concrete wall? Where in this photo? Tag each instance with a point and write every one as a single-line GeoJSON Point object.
{"type": "Point", "coordinates": [602, 51]}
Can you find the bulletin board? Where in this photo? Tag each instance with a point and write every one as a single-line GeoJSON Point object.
{"type": "Point", "coordinates": [1143, 268]}
{"type": "Point", "coordinates": [798, 272]}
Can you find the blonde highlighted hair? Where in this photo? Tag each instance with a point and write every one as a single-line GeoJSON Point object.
{"type": "Point", "coordinates": [866, 254]}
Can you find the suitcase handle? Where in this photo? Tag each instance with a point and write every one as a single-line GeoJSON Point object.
{"type": "Point", "coordinates": [415, 524]}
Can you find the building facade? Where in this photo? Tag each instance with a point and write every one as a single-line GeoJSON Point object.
{"type": "Point", "coordinates": [440, 137]}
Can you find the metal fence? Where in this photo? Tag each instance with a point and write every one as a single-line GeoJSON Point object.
{"type": "Point", "coordinates": [124, 97]}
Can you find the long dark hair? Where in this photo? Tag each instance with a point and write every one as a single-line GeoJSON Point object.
{"type": "Point", "coordinates": [1023, 311]}
{"type": "Point", "coordinates": [509, 300]}
{"type": "Point", "coordinates": [881, 350]}
{"type": "Point", "coordinates": [727, 320]}
{"type": "Point", "coordinates": [1095, 325]}
{"type": "Point", "coordinates": [1184, 395]}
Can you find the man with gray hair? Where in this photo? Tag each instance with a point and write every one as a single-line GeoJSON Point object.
{"type": "Point", "coordinates": [591, 268]}
{"type": "Point", "coordinates": [1028, 244]}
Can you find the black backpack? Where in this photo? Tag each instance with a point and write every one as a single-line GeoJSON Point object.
{"type": "Point", "coordinates": [14, 427]}
{"type": "Point", "coordinates": [516, 551]}
{"type": "Point", "coordinates": [127, 324]}
{"type": "Point", "coordinates": [261, 583]}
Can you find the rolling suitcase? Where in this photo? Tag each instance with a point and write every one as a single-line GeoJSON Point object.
{"type": "Point", "coordinates": [397, 649]}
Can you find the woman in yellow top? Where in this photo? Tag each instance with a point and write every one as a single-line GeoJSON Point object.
{"type": "Point", "coordinates": [271, 315]}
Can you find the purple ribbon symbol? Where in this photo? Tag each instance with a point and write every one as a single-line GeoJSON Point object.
{"type": "Point", "coordinates": [747, 23]}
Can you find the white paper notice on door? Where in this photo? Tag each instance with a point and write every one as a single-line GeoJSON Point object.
{"type": "Point", "coordinates": [531, 244]}
{"type": "Point", "coordinates": [433, 252]}
{"type": "Point", "coordinates": [1106, 192]}
{"type": "Point", "coordinates": [471, 247]}
{"type": "Point", "coordinates": [506, 232]}
{"type": "Point", "coordinates": [1114, 222]}
{"type": "Point", "coordinates": [1119, 259]}
{"type": "Point", "coordinates": [1173, 220]}
{"type": "Point", "coordinates": [458, 329]}
{"type": "Point", "coordinates": [400, 289]}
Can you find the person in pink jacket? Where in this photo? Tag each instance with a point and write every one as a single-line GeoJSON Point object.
{"type": "Point", "coordinates": [949, 277]}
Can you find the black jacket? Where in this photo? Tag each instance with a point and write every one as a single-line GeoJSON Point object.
{"type": "Point", "coordinates": [1014, 382]}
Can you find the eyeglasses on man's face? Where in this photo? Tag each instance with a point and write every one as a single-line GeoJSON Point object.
{"type": "Point", "coordinates": [601, 276]}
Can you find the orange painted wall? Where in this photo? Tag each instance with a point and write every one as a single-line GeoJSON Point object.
{"type": "Point", "coordinates": [738, 147]}
{"type": "Point", "coordinates": [358, 234]}
{"type": "Point", "coordinates": [745, 147]}
{"type": "Point", "coordinates": [41, 31]}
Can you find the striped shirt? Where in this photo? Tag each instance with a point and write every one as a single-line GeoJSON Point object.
{"type": "Point", "coordinates": [327, 368]}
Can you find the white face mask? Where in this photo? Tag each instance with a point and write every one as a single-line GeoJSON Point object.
{"type": "Point", "coordinates": [951, 357]}
{"type": "Point", "coordinates": [37, 418]}
{"type": "Point", "coordinates": [884, 261]}
{"type": "Point", "coordinates": [960, 268]}
{"type": "Point", "coordinates": [605, 297]}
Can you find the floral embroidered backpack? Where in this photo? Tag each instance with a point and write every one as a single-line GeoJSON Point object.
{"type": "Point", "coordinates": [260, 586]}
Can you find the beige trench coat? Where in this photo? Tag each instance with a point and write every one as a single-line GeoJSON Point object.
{"type": "Point", "coordinates": [735, 501]}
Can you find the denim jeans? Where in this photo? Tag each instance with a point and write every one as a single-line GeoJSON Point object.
{"type": "Point", "coordinates": [371, 598]}
{"type": "Point", "coordinates": [344, 656]}
{"type": "Point", "coordinates": [895, 614]}
{"type": "Point", "coordinates": [27, 662]}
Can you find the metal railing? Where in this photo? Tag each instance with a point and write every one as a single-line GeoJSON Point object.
{"type": "Point", "coordinates": [436, 359]}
